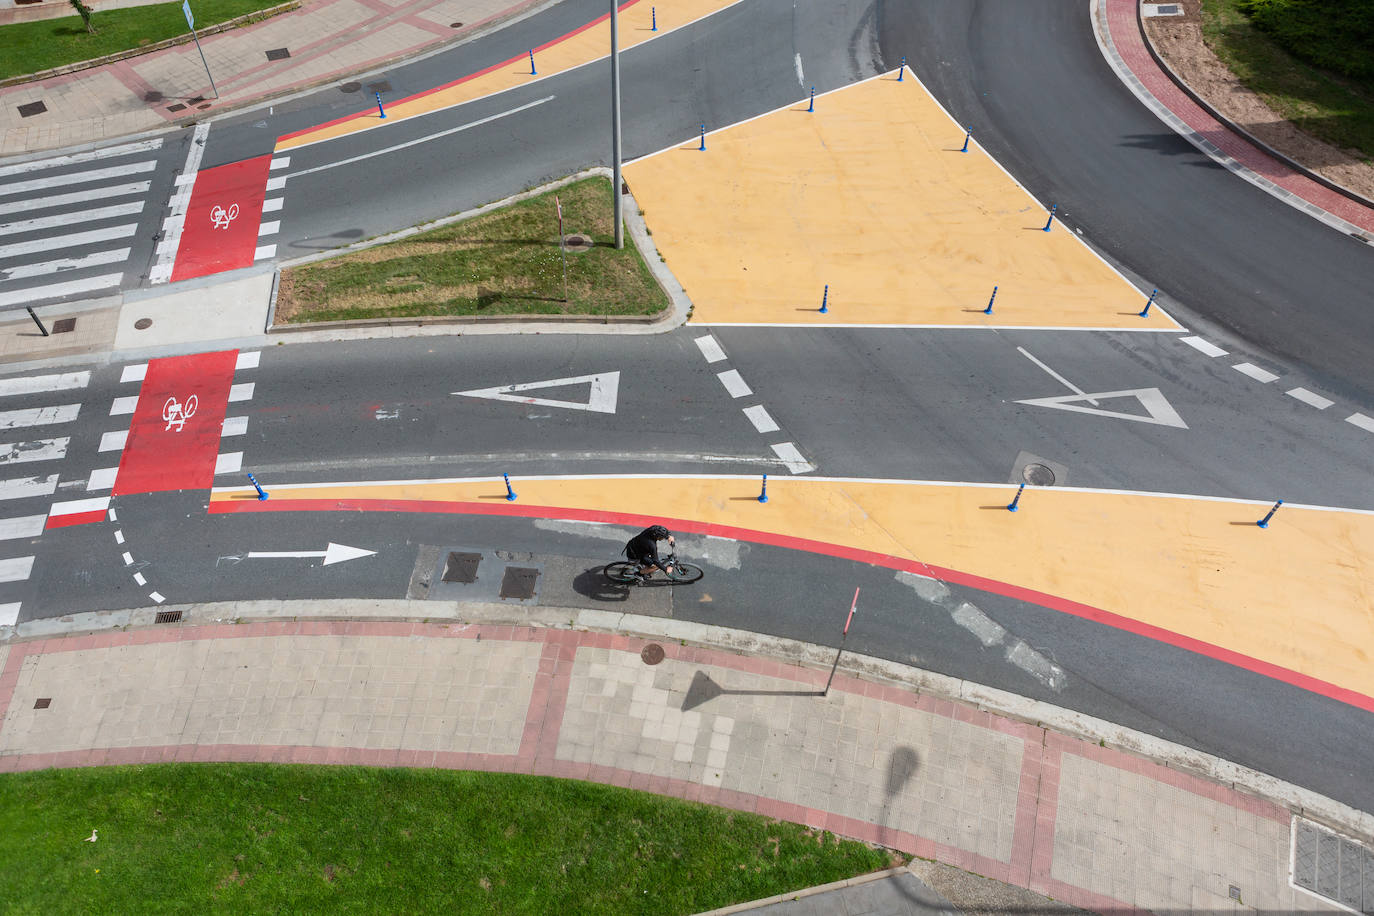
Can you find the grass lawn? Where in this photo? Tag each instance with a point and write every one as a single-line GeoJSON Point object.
{"type": "Point", "coordinates": [502, 263]}
{"type": "Point", "coordinates": [1333, 108]}
{"type": "Point", "coordinates": [257, 838]}
{"type": "Point", "coordinates": [31, 47]}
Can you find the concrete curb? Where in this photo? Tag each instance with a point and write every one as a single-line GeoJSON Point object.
{"type": "Point", "coordinates": [1304, 802]}
{"type": "Point", "coordinates": [806, 892]}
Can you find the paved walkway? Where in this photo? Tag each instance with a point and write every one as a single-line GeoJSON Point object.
{"type": "Point", "coordinates": [876, 759]}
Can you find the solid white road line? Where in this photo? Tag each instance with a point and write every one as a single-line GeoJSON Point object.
{"type": "Point", "coordinates": [101, 479]}
{"type": "Point", "coordinates": [77, 197]}
{"type": "Point", "coordinates": [758, 415]}
{"type": "Point", "coordinates": [37, 450]}
{"type": "Point", "coordinates": [735, 384]}
{"type": "Point", "coordinates": [113, 441]}
{"type": "Point", "coordinates": [15, 569]}
{"type": "Point", "coordinates": [1360, 420]}
{"type": "Point", "coordinates": [73, 240]}
{"type": "Point", "coordinates": [241, 392]}
{"type": "Point", "coordinates": [33, 384]}
{"type": "Point", "coordinates": [710, 349]}
{"type": "Point", "coordinates": [23, 526]}
{"type": "Point", "coordinates": [792, 458]}
{"type": "Point", "coordinates": [228, 462]}
{"type": "Point", "coordinates": [1255, 372]}
{"type": "Point", "coordinates": [122, 406]}
{"type": "Point", "coordinates": [1057, 377]}
{"type": "Point", "coordinates": [109, 152]}
{"type": "Point", "coordinates": [24, 487]}
{"type": "Point", "coordinates": [234, 426]}
{"type": "Point", "coordinates": [86, 177]}
{"type": "Point", "coordinates": [54, 290]}
{"type": "Point", "coordinates": [133, 373]}
{"type": "Point", "coordinates": [172, 226]}
{"type": "Point", "coordinates": [1202, 346]}
{"type": "Point", "coordinates": [62, 220]}
{"type": "Point", "coordinates": [247, 359]}
{"type": "Point", "coordinates": [38, 416]}
{"type": "Point", "coordinates": [1307, 397]}
{"type": "Point", "coordinates": [9, 614]}
{"type": "Point", "coordinates": [43, 268]}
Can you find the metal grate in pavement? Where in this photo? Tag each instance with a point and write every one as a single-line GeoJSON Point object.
{"type": "Point", "coordinates": [63, 325]}
{"type": "Point", "coordinates": [42, 703]}
{"type": "Point", "coordinates": [462, 567]}
{"type": "Point", "coordinates": [167, 617]}
{"type": "Point", "coordinates": [278, 54]}
{"type": "Point", "coordinates": [1333, 867]}
{"type": "Point", "coordinates": [31, 109]}
{"type": "Point", "coordinates": [519, 582]}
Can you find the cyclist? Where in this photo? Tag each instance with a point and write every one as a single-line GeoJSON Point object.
{"type": "Point", "coordinates": [643, 549]}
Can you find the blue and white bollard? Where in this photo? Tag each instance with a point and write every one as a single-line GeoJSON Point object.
{"type": "Point", "coordinates": [262, 494]}
{"type": "Point", "coordinates": [380, 112]}
{"type": "Point", "coordinates": [653, 13]}
{"type": "Point", "coordinates": [901, 70]}
{"type": "Point", "coordinates": [988, 310]}
{"type": "Point", "coordinates": [825, 297]}
{"type": "Point", "coordinates": [510, 494]}
{"type": "Point", "coordinates": [532, 71]}
{"type": "Point", "coordinates": [968, 132]}
{"type": "Point", "coordinates": [1264, 522]}
{"type": "Point", "coordinates": [1151, 301]}
{"type": "Point", "coordinates": [763, 494]}
{"type": "Point", "coordinates": [812, 106]}
{"type": "Point", "coordinates": [1050, 222]}
{"type": "Point", "coordinates": [1016, 499]}
{"type": "Point", "coordinates": [703, 138]}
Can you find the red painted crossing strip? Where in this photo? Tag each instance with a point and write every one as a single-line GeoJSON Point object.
{"type": "Point", "coordinates": [221, 231]}
{"type": "Point", "coordinates": [174, 439]}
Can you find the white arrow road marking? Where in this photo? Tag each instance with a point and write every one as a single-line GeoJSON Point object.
{"type": "Point", "coordinates": [334, 553]}
{"type": "Point", "coordinates": [1161, 412]}
{"type": "Point", "coordinates": [605, 387]}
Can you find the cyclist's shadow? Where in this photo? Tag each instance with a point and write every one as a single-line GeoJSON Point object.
{"type": "Point", "coordinates": [592, 583]}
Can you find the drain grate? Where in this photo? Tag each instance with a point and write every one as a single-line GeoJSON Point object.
{"type": "Point", "coordinates": [519, 582]}
{"type": "Point", "coordinates": [42, 703]}
{"type": "Point", "coordinates": [462, 567]}
{"type": "Point", "coordinates": [1333, 867]}
{"type": "Point", "coordinates": [31, 109]}
{"type": "Point", "coordinates": [278, 54]}
{"type": "Point", "coordinates": [177, 107]}
{"type": "Point", "coordinates": [167, 617]}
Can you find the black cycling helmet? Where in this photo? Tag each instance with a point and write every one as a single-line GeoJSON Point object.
{"type": "Point", "coordinates": [658, 532]}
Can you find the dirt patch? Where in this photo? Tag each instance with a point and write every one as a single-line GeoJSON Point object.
{"type": "Point", "coordinates": [1178, 40]}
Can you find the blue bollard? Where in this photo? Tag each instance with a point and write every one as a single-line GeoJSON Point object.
{"type": "Point", "coordinates": [510, 494]}
{"type": "Point", "coordinates": [1146, 310]}
{"type": "Point", "coordinates": [825, 296]}
{"type": "Point", "coordinates": [262, 494]}
{"type": "Point", "coordinates": [653, 12]}
{"type": "Point", "coordinates": [901, 70]}
{"type": "Point", "coordinates": [380, 112]}
{"type": "Point", "coordinates": [812, 106]}
{"type": "Point", "coordinates": [1264, 522]}
{"type": "Point", "coordinates": [1050, 222]}
{"type": "Point", "coordinates": [763, 494]}
{"type": "Point", "coordinates": [968, 132]}
{"type": "Point", "coordinates": [532, 71]}
{"type": "Point", "coordinates": [703, 138]}
{"type": "Point", "coordinates": [988, 310]}
{"type": "Point", "coordinates": [1016, 499]}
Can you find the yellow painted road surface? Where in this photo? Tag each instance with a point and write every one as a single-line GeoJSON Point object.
{"type": "Point", "coordinates": [870, 195]}
{"type": "Point", "coordinates": [579, 48]}
{"type": "Point", "coordinates": [1298, 595]}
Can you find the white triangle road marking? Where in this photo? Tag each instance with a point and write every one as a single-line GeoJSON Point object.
{"type": "Point", "coordinates": [1160, 411]}
{"type": "Point", "coordinates": [601, 397]}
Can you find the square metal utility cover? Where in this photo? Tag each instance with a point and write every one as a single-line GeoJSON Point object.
{"type": "Point", "coordinates": [167, 617]}
{"type": "Point", "coordinates": [177, 107]}
{"type": "Point", "coordinates": [31, 109]}
{"type": "Point", "coordinates": [42, 703]}
{"type": "Point", "coordinates": [278, 54]}
{"type": "Point", "coordinates": [461, 567]}
{"type": "Point", "coordinates": [519, 583]}
{"type": "Point", "coordinates": [63, 325]}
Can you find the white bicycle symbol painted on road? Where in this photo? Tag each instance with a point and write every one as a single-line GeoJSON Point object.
{"type": "Point", "coordinates": [176, 413]}
{"type": "Point", "coordinates": [221, 218]}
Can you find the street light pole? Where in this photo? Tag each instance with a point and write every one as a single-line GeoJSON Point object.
{"type": "Point", "coordinates": [615, 126]}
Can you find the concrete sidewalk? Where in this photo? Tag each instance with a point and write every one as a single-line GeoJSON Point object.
{"type": "Point", "coordinates": [892, 755]}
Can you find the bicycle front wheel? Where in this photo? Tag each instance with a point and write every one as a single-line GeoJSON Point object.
{"type": "Point", "coordinates": [685, 572]}
{"type": "Point", "coordinates": [622, 573]}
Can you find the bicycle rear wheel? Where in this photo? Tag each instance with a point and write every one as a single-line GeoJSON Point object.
{"type": "Point", "coordinates": [622, 573]}
{"type": "Point", "coordinates": [683, 573]}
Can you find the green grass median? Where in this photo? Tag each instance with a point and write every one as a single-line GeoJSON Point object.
{"type": "Point", "coordinates": [32, 47]}
{"type": "Point", "coordinates": [257, 838]}
{"type": "Point", "coordinates": [505, 262]}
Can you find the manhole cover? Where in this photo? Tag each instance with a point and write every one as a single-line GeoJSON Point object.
{"type": "Point", "coordinates": [455, 25]}
{"type": "Point", "coordinates": [42, 703]}
{"type": "Point", "coordinates": [350, 87]}
{"type": "Point", "coordinates": [1333, 866]}
{"type": "Point", "coordinates": [1037, 475]}
{"type": "Point", "coordinates": [462, 567]}
{"type": "Point", "coordinates": [63, 325]}
{"type": "Point", "coordinates": [577, 242]}
{"type": "Point", "coordinates": [143, 324]}
{"type": "Point", "coordinates": [518, 583]}
{"type": "Point", "coordinates": [167, 617]}
{"type": "Point", "coordinates": [278, 54]}
{"type": "Point", "coordinates": [31, 109]}
{"type": "Point", "coordinates": [652, 654]}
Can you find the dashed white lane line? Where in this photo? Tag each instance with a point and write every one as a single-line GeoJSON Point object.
{"type": "Point", "coordinates": [113, 441]}
{"type": "Point", "coordinates": [122, 406]}
{"type": "Point", "coordinates": [273, 204]}
{"type": "Point", "coordinates": [1361, 421]}
{"type": "Point", "coordinates": [9, 614]}
{"type": "Point", "coordinates": [15, 569]}
{"type": "Point", "coordinates": [734, 383]}
{"type": "Point", "coordinates": [710, 349]}
{"type": "Point", "coordinates": [761, 419]}
{"type": "Point", "coordinates": [173, 225]}
{"type": "Point", "coordinates": [234, 426]}
{"type": "Point", "coordinates": [228, 462]}
{"type": "Point", "coordinates": [24, 526]}
{"type": "Point", "coordinates": [119, 537]}
{"type": "Point", "coordinates": [1202, 346]}
{"type": "Point", "coordinates": [101, 479]}
{"type": "Point", "coordinates": [792, 458]}
{"type": "Point", "coordinates": [1307, 397]}
{"type": "Point", "coordinates": [269, 227]}
{"type": "Point", "coordinates": [133, 372]}
{"type": "Point", "coordinates": [156, 597]}
{"type": "Point", "coordinates": [241, 392]}
{"type": "Point", "coordinates": [128, 558]}
{"type": "Point", "coordinates": [139, 578]}
{"type": "Point", "coordinates": [1255, 372]}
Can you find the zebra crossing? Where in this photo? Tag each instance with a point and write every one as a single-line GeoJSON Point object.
{"type": "Point", "coordinates": [67, 223]}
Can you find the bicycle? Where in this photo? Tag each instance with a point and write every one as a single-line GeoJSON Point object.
{"type": "Point", "coordinates": [626, 572]}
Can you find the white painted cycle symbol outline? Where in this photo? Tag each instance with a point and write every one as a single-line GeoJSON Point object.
{"type": "Point", "coordinates": [221, 218]}
{"type": "Point", "coordinates": [176, 413]}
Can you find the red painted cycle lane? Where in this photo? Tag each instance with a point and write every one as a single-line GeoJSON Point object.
{"type": "Point", "coordinates": [222, 222]}
{"type": "Point", "coordinates": [174, 439]}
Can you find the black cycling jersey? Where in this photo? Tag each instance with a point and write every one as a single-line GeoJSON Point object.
{"type": "Point", "coordinates": [644, 549]}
